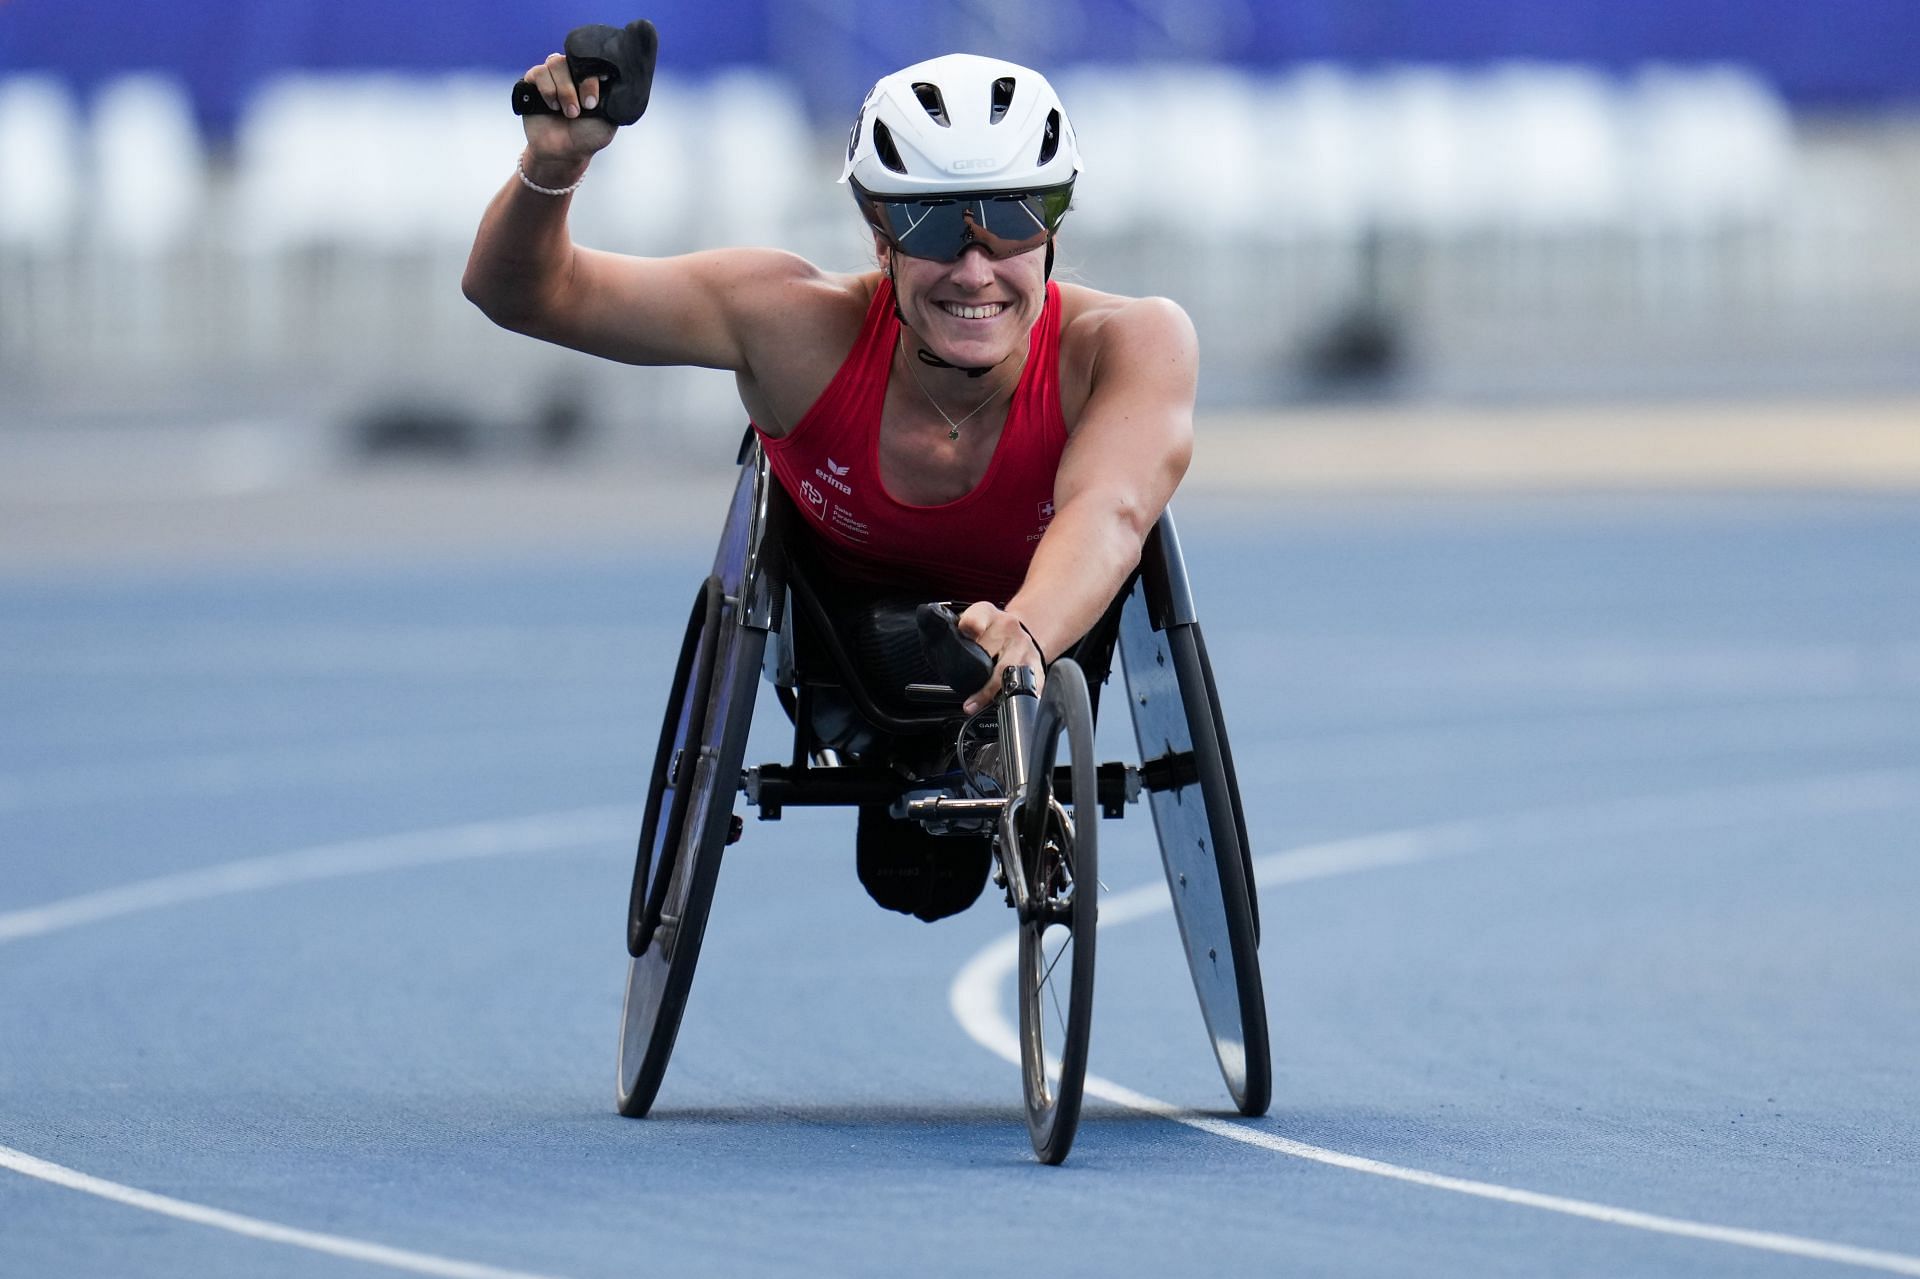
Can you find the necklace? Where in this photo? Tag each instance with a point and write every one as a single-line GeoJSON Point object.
{"type": "Point", "coordinates": [953, 424]}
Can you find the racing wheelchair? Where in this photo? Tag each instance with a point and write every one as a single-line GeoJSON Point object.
{"type": "Point", "coordinates": [1022, 775]}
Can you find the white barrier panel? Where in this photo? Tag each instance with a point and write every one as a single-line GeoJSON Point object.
{"type": "Point", "coordinates": [149, 179]}
{"type": "Point", "coordinates": [1460, 204]}
{"type": "Point", "coordinates": [39, 178]}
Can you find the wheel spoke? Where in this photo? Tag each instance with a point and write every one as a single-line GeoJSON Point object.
{"type": "Point", "coordinates": [1047, 977]}
{"type": "Point", "coordinates": [1053, 994]}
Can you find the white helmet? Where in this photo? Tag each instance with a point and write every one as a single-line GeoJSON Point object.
{"type": "Point", "coordinates": [961, 123]}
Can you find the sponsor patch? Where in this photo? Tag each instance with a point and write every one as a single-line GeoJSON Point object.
{"type": "Point", "coordinates": [816, 500]}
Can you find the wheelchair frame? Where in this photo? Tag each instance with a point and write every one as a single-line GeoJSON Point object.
{"type": "Point", "coordinates": [1186, 771]}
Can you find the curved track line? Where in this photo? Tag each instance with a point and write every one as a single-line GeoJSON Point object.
{"type": "Point", "coordinates": [543, 834]}
{"type": "Point", "coordinates": [421, 1263]}
{"type": "Point", "coordinates": [974, 997]}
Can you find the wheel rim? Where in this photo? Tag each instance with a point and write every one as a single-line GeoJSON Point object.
{"type": "Point", "coordinates": [689, 844]}
{"type": "Point", "coordinates": [687, 829]}
{"type": "Point", "coordinates": [1199, 835]}
{"type": "Point", "coordinates": [665, 813]}
{"type": "Point", "coordinates": [1047, 969]}
{"type": "Point", "coordinates": [1056, 960]}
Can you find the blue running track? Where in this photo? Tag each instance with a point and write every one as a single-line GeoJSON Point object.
{"type": "Point", "coordinates": [1589, 870]}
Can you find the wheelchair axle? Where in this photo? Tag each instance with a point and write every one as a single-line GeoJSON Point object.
{"type": "Point", "coordinates": [773, 787]}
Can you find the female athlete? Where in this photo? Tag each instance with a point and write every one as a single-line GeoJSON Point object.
{"type": "Point", "coordinates": [953, 421]}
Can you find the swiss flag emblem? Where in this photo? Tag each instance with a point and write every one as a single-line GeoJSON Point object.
{"type": "Point", "coordinates": [1046, 509]}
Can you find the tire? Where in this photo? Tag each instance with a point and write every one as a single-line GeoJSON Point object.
{"type": "Point", "coordinates": [688, 823]}
{"type": "Point", "coordinates": [1233, 783]}
{"type": "Point", "coordinates": [693, 674]}
{"type": "Point", "coordinates": [1239, 1024]}
{"type": "Point", "coordinates": [1197, 814]}
{"type": "Point", "coordinates": [1059, 856]}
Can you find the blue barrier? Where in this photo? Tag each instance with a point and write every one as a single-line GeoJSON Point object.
{"type": "Point", "coordinates": [1832, 52]}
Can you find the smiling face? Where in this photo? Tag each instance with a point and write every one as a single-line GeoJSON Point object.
{"type": "Point", "coordinates": [974, 312]}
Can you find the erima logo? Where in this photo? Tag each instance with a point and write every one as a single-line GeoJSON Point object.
{"type": "Point", "coordinates": [834, 480]}
{"type": "Point", "coordinates": [838, 469]}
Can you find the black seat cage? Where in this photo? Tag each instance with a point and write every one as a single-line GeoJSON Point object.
{"type": "Point", "coordinates": [812, 615]}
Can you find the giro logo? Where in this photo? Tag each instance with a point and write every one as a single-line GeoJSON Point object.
{"type": "Point", "coordinates": [968, 166]}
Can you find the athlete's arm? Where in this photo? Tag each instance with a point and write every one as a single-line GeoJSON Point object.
{"type": "Point", "coordinates": [526, 273]}
{"type": "Point", "coordinates": [1129, 452]}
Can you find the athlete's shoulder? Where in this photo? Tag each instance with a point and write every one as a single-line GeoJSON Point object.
{"type": "Point", "coordinates": [1090, 313]}
{"type": "Point", "coordinates": [796, 332]}
{"type": "Point", "coordinates": [787, 308]}
{"type": "Point", "coordinates": [1095, 325]}
{"type": "Point", "coordinates": [780, 274]}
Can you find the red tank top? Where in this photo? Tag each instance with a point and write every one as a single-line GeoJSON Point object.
{"type": "Point", "coordinates": [975, 547]}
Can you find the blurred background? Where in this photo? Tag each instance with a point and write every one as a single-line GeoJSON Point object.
{"type": "Point", "coordinates": [1552, 516]}
{"type": "Point", "coordinates": [221, 212]}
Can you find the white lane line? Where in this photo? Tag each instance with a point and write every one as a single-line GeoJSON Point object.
{"type": "Point", "coordinates": [423, 1263]}
{"type": "Point", "coordinates": [546, 833]}
{"type": "Point", "coordinates": [975, 1001]}
{"type": "Point", "coordinates": [518, 836]}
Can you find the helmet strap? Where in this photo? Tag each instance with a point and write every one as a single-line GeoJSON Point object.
{"type": "Point", "coordinates": [931, 360]}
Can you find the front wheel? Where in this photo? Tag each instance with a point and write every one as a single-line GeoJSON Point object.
{"type": "Point", "coordinates": [1058, 830]}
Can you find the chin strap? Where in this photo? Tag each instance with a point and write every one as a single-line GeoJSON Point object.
{"type": "Point", "coordinates": [931, 360]}
{"type": "Point", "coordinates": [927, 357]}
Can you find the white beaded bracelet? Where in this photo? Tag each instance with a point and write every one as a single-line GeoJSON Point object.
{"type": "Point", "coordinates": [520, 167]}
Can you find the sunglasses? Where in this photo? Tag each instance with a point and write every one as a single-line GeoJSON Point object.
{"type": "Point", "coordinates": [1005, 223]}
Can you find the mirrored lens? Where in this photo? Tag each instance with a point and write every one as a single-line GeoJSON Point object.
{"type": "Point", "coordinates": [1004, 225]}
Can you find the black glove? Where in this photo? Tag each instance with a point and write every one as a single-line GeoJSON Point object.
{"type": "Point", "coordinates": [961, 662]}
{"type": "Point", "coordinates": [621, 57]}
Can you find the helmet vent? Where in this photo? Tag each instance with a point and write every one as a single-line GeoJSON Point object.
{"type": "Point", "coordinates": [1002, 99]}
{"type": "Point", "coordinates": [1050, 140]}
{"type": "Point", "coordinates": [929, 95]}
{"type": "Point", "coordinates": [884, 148]}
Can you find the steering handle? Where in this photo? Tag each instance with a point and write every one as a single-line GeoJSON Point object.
{"type": "Point", "coordinates": [963, 664]}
